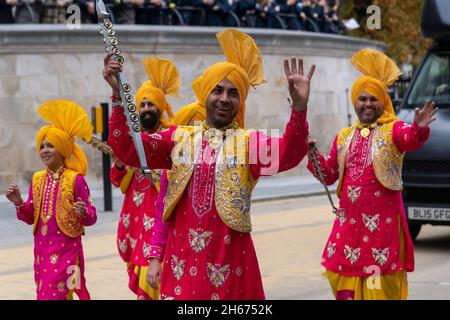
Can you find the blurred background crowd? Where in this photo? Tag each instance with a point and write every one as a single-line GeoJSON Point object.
{"type": "Point", "coordinates": [308, 15]}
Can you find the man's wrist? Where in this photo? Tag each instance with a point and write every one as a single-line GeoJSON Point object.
{"type": "Point", "coordinates": [19, 205]}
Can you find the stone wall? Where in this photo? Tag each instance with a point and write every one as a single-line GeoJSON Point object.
{"type": "Point", "coordinates": [41, 62]}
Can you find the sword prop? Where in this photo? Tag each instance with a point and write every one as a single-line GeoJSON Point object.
{"type": "Point", "coordinates": [340, 212]}
{"type": "Point", "coordinates": [133, 121]}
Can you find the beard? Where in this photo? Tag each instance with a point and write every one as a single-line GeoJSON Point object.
{"type": "Point", "coordinates": [149, 119]}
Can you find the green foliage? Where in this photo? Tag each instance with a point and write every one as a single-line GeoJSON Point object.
{"type": "Point", "coordinates": [400, 26]}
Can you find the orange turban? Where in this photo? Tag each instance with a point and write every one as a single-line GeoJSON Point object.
{"type": "Point", "coordinates": [191, 112]}
{"type": "Point", "coordinates": [68, 120]}
{"type": "Point", "coordinates": [164, 80]}
{"type": "Point", "coordinates": [379, 73]}
{"type": "Point", "coordinates": [244, 68]}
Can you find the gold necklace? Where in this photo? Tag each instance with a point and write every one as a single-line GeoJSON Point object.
{"type": "Point", "coordinates": [56, 174]}
{"type": "Point", "coordinates": [365, 128]}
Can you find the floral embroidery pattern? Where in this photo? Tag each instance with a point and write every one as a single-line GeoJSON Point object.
{"type": "Point", "coordinates": [331, 249]}
{"type": "Point", "coordinates": [218, 274]}
{"type": "Point", "coordinates": [177, 266]}
{"type": "Point", "coordinates": [148, 222]}
{"type": "Point", "coordinates": [199, 239]}
{"type": "Point", "coordinates": [353, 193]}
{"type": "Point", "coordinates": [126, 220]}
{"type": "Point", "coordinates": [370, 222]}
{"type": "Point", "coordinates": [352, 254]}
{"type": "Point", "coordinates": [381, 256]}
{"type": "Point", "coordinates": [123, 245]}
{"type": "Point", "coordinates": [138, 197]}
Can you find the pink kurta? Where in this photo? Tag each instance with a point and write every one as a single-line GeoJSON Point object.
{"type": "Point", "coordinates": [136, 224]}
{"type": "Point", "coordinates": [59, 259]}
{"type": "Point", "coordinates": [204, 258]}
{"type": "Point", "coordinates": [369, 236]}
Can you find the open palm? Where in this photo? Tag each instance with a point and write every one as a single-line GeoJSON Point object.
{"type": "Point", "coordinates": [299, 84]}
{"type": "Point", "coordinates": [423, 117]}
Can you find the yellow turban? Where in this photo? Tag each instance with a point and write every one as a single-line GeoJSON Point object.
{"type": "Point", "coordinates": [244, 68]}
{"type": "Point", "coordinates": [164, 80]}
{"type": "Point", "coordinates": [191, 112]}
{"type": "Point", "coordinates": [379, 73]}
{"type": "Point", "coordinates": [68, 120]}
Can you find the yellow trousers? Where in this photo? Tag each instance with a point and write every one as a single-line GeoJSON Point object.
{"type": "Point", "coordinates": [384, 287]}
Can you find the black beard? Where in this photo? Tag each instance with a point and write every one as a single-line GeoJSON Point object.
{"type": "Point", "coordinates": [149, 123]}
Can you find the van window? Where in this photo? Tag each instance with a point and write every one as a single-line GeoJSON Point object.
{"type": "Point", "coordinates": [433, 82]}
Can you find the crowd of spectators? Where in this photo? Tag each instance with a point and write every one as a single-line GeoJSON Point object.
{"type": "Point", "coordinates": [308, 15]}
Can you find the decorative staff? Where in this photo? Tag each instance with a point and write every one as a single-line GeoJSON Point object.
{"type": "Point", "coordinates": [133, 121]}
{"type": "Point", "coordinates": [340, 212]}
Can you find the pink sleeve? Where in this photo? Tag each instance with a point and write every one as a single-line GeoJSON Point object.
{"type": "Point", "coordinates": [82, 192]}
{"type": "Point", "coordinates": [157, 146]}
{"type": "Point", "coordinates": [160, 229]}
{"type": "Point", "coordinates": [269, 156]}
{"type": "Point", "coordinates": [329, 165]}
{"type": "Point", "coordinates": [409, 137]}
{"type": "Point", "coordinates": [26, 212]}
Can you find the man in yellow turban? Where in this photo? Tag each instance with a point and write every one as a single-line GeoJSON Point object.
{"type": "Point", "coordinates": [137, 216]}
{"type": "Point", "coordinates": [213, 170]}
{"type": "Point", "coordinates": [59, 205]}
{"type": "Point", "coordinates": [370, 249]}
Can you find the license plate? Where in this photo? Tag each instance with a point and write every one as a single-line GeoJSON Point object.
{"type": "Point", "coordinates": [437, 214]}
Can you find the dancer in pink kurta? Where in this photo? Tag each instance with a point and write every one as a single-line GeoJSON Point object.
{"type": "Point", "coordinates": [59, 205]}
{"type": "Point", "coordinates": [209, 252]}
{"type": "Point", "coordinates": [59, 258]}
{"type": "Point", "coordinates": [369, 251]}
{"type": "Point", "coordinates": [373, 211]}
{"type": "Point", "coordinates": [204, 258]}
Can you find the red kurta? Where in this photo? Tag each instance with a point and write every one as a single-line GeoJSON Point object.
{"type": "Point", "coordinates": [369, 236]}
{"type": "Point", "coordinates": [204, 258]}
{"type": "Point", "coordinates": [135, 225]}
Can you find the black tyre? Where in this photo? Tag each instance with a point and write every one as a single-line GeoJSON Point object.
{"type": "Point", "coordinates": [414, 229]}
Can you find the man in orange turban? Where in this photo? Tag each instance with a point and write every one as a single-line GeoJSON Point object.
{"type": "Point", "coordinates": [370, 249]}
{"type": "Point", "coordinates": [213, 170]}
{"type": "Point", "coordinates": [138, 211]}
{"type": "Point", "coordinates": [59, 205]}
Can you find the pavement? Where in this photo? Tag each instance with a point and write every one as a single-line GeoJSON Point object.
{"type": "Point", "coordinates": [289, 237]}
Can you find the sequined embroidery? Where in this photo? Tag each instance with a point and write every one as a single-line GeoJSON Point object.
{"type": "Point", "coordinates": [381, 256]}
{"type": "Point", "coordinates": [218, 274]}
{"type": "Point", "coordinates": [126, 220]}
{"type": "Point", "coordinates": [123, 245]}
{"type": "Point", "coordinates": [352, 254]}
{"type": "Point", "coordinates": [199, 239]}
{"type": "Point", "coordinates": [331, 249]}
{"type": "Point", "coordinates": [148, 222]}
{"type": "Point", "coordinates": [177, 266]}
{"type": "Point", "coordinates": [353, 193]}
{"type": "Point", "coordinates": [138, 197]}
{"type": "Point", "coordinates": [146, 247]}
{"type": "Point", "coordinates": [54, 258]}
{"type": "Point", "coordinates": [371, 222]}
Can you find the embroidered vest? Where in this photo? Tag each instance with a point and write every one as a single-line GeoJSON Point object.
{"type": "Point", "coordinates": [233, 181]}
{"type": "Point", "coordinates": [66, 217]}
{"type": "Point", "coordinates": [387, 160]}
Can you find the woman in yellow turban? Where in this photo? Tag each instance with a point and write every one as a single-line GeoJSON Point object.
{"type": "Point", "coordinates": [59, 204]}
{"type": "Point", "coordinates": [370, 249]}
